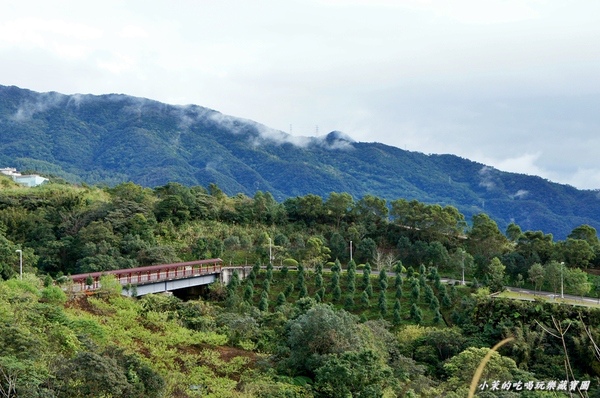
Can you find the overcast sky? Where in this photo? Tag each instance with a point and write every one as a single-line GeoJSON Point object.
{"type": "Point", "coordinates": [510, 83]}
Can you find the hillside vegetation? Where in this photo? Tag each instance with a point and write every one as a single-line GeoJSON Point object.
{"type": "Point", "coordinates": [112, 139]}
{"type": "Point", "coordinates": [311, 323]}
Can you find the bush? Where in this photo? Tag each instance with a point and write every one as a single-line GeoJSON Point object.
{"type": "Point", "coordinates": [110, 286]}
{"type": "Point", "coordinates": [290, 263]}
{"type": "Point", "coordinates": [54, 295]}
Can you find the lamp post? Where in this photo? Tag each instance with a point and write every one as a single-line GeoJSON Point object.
{"type": "Point", "coordinates": [20, 262]}
{"type": "Point", "coordinates": [351, 251]}
{"type": "Point", "coordinates": [562, 265]}
{"type": "Point", "coordinates": [462, 258]}
{"type": "Point", "coordinates": [270, 256]}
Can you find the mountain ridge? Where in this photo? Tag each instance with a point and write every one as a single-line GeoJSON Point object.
{"type": "Point", "coordinates": [113, 138]}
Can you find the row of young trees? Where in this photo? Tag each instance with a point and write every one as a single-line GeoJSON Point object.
{"type": "Point", "coordinates": [345, 290]}
{"type": "Point", "coordinates": [447, 356]}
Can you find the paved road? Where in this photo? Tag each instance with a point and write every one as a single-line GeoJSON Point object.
{"type": "Point", "coordinates": [550, 295]}
{"type": "Point", "coordinates": [532, 293]}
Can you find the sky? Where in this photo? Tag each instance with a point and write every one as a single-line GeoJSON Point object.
{"type": "Point", "coordinates": [514, 84]}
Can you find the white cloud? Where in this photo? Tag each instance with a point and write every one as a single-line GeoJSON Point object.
{"type": "Point", "coordinates": [520, 194]}
{"type": "Point", "coordinates": [134, 32]}
{"type": "Point", "coordinates": [510, 83]}
{"type": "Point", "coordinates": [118, 63]}
{"type": "Point", "coordinates": [523, 164]}
{"type": "Point", "coordinates": [584, 178]}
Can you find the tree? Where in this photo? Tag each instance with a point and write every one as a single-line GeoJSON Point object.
{"type": "Point", "coordinates": [535, 247]}
{"type": "Point", "coordinates": [429, 295]}
{"type": "Point", "coordinates": [415, 293]}
{"type": "Point", "coordinates": [280, 299]}
{"type": "Point", "coordinates": [536, 275]}
{"type": "Point", "coordinates": [110, 286]}
{"type": "Point", "coordinates": [337, 245]}
{"type": "Point", "coordinates": [172, 208]}
{"type": "Point", "coordinates": [308, 209]}
{"type": "Point", "coordinates": [382, 303]}
{"type": "Point", "coordinates": [434, 304]}
{"type": "Point", "coordinates": [266, 285]}
{"type": "Point", "coordinates": [397, 319]}
{"type": "Point", "coordinates": [398, 280]}
{"type": "Point", "coordinates": [351, 277]}
{"type": "Point", "coordinates": [428, 222]}
{"type": "Point", "coordinates": [446, 300]}
{"type": "Point", "coordinates": [364, 299]}
{"type": "Point", "coordinates": [263, 304]}
{"type": "Point", "coordinates": [319, 280]}
{"type": "Point", "coordinates": [352, 374]}
{"type": "Point", "coordinates": [319, 332]}
{"type": "Point", "coordinates": [248, 292]}
{"type": "Point", "coordinates": [316, 251]}
{"type": "Point", "coordinates": [351, 286]}
{"type": "Point", "coordinates": [576, 252]}
{"type": "Point", "coordinates": [384, 260]}
{"type": "Point", "coordinates": [89, 374]}
{"type": "Point", "coordinates": [371, 212]}
{"type": "Point", "coordinates": [366, 276]}
{"type": "Point", "coordinates": [302, 291]}
{"type": "Point", "coordinates": [337, 293]}
{"type": "Point", "coordinates": [460, 368]}
{"type": "Point", "coordinates": [300, 281]}
{"type": "Point", "coordinates": [587, 233]}
{"type": "Point", "coordinates": [399, 292]}
{"type": "Point", "coordinates": [338, 206]}
{"type": "Point", "coordinates": [349, 302]}
{"type": "Point", "coordinates": [416, 314]}
{"type": "Point", "coordinates": [495, 275]}
{"type": "Point", "coordinates": [513, 232]}
{"type": "Point", "coordinates": [576, 281]}
{"type": "Point", "coordinates": [366, 250]}
{"type": "Point", "coordinates": [318, 296]}
{"type": "Point", "coordinates": [485, 239]}
{"type": "Point", "coordinates": [335, 280]}
{"type": "Point", "coordinates": [383, 280]}
{"type": "Point", "coordinates": [234, 282]}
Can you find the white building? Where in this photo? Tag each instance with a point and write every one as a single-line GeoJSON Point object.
{"type": "Point", "coordinates": [30, 180]}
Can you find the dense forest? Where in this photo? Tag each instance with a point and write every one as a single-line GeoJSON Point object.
{"type": "Point", "coordinates": [312, 322]}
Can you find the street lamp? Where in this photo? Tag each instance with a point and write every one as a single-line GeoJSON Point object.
{"type": "Point", "coordinates": [20, 262]}
{"type": "Point", "coordinates": [350, 251]}
{"type": "Point", "coordinates": [562, 265]}
{"type": "Point", "coordinates": [270, 256]}
{"type": "Point", "coordinates": [462, 258]}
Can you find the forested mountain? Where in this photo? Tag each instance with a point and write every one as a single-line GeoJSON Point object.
{"type": "Point", "coordinates": [110, 139]}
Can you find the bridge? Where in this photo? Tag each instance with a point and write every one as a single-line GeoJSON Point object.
{"type": "Point", "coordinates": [155, 278]}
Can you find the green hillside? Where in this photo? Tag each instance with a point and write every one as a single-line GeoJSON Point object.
{"type": "Point", "coordinates": [117, 138]}
{"type": "Point", "coordinates": [313, 323]}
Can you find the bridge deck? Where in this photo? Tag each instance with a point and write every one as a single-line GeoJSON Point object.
{"type": "Point", "coordinates": [149, 274]}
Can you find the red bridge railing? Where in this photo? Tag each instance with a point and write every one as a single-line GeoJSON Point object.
{"type": "Point", "coordinates": [152, 273]}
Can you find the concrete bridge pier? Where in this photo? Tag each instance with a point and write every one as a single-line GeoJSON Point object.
{"type": "Point", "coordinates": [226, 273]}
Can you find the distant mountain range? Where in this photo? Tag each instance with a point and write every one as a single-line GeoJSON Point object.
{"type": "Point", "coordinates": [110, 139]}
